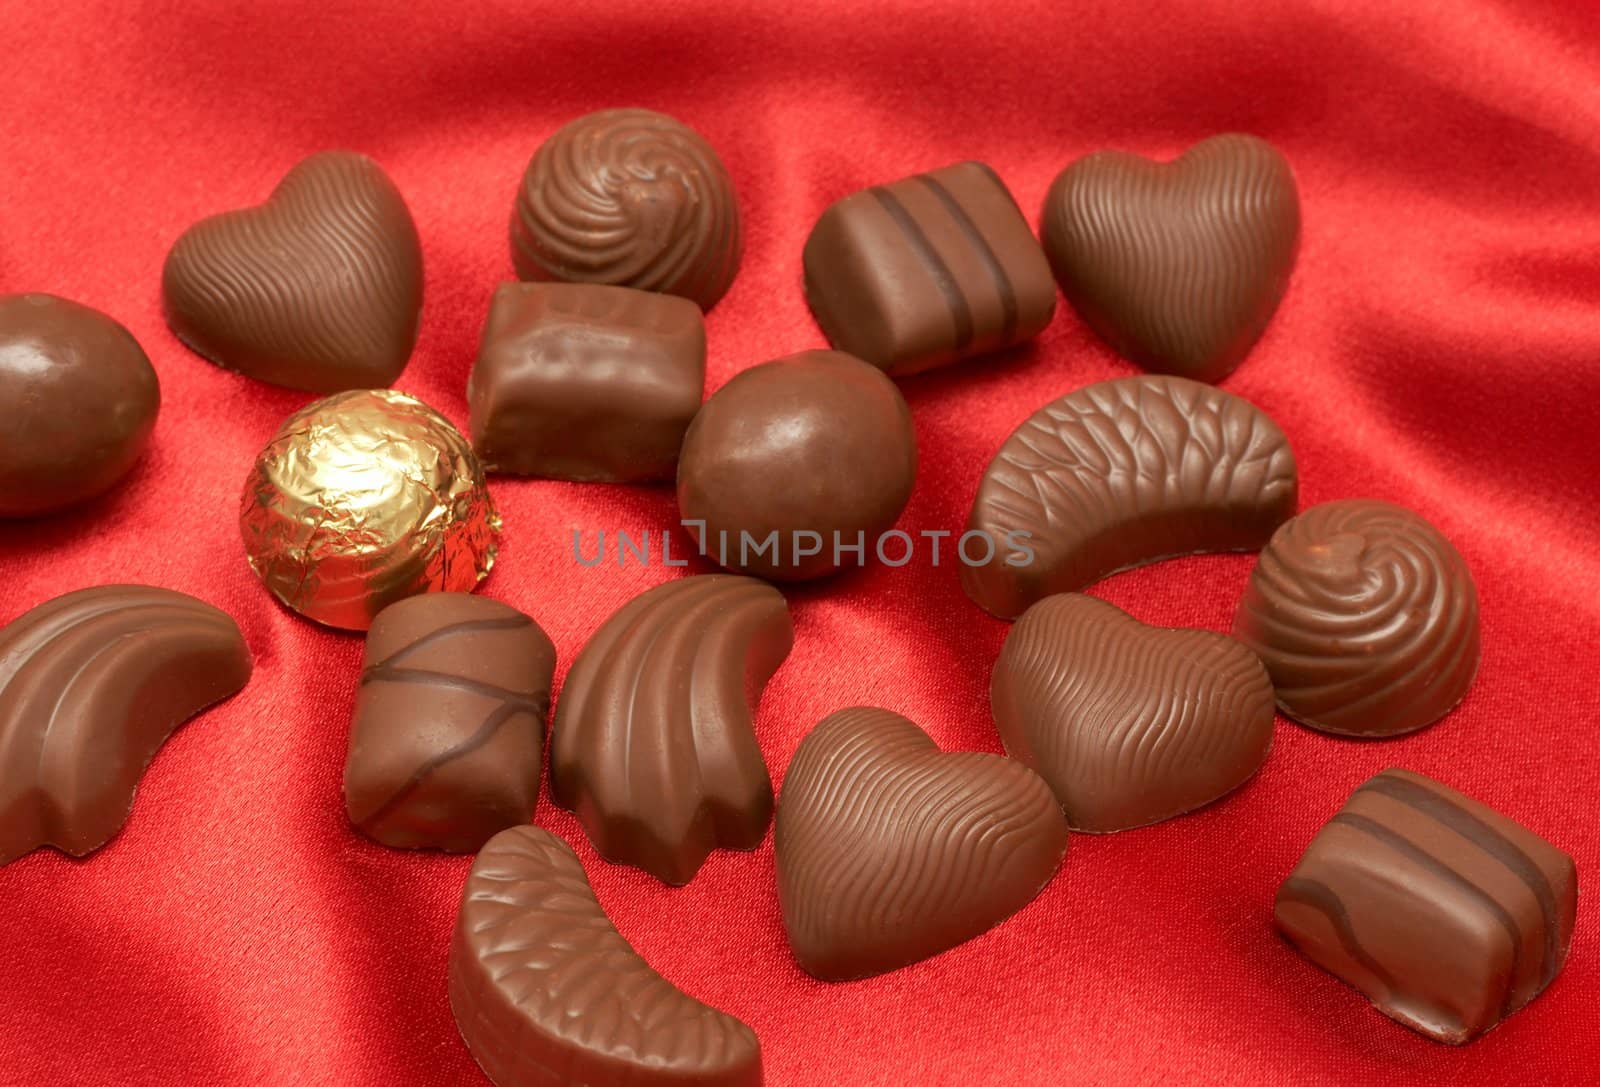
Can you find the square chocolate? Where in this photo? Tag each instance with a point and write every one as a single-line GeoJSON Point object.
{"type": "Point", "coordinates": [1447, 915]}
{"type": "Point", "coordinates": [927, 271]}
{"type": "Point", "coordinates": [586, 382]}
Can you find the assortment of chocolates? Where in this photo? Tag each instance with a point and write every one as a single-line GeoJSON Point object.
{"type": "Point", "coordinates": [368, 510]}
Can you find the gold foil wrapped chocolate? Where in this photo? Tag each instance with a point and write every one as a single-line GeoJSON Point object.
{"type": "Point", "coordinates": [364, 498]}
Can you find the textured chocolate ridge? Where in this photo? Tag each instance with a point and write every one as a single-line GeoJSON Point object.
{"type": "Point", "coordinates": [890, 851]}
{"type": "Point", "coordinates": [1122, 473]}
{"type": "Point", "coordinates": [632, 198]}
{"type": "Point", "coordinates": [1407, 851]}
{"type": "Point", "coordinates": [545, 991]}
{"type": "Point", "coordinates": [654, 743]}
{"type": "Point", "coordinates": [1179, 266]}
{"type": "Point", "coordinates": [406, 784]}
{"type": "Point", "coordinates": [319, 288]}
{"type": "Point", "coordinates": [1365, 616]}
{"type": "Point", "coordinates": [91, 684]}
{"type": "Point", "coordinates": [1129, 724]}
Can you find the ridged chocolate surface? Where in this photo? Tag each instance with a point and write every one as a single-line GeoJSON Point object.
{"type": "Point", "coordinates": [79, 400]}
{"type": "Point", "coordinates": [890, 851]}
{"type": "Point", "coordinates": [547, 993]}
{"type": "Point", "coordinates": [654, 742]}
{"type": "Point", "coordinates": [447, 742]}
{"type": "Point", "coordinates": [586, 382]}
{"type": "Point", "coordinates": [1180, 265]}
{"type": "Point", "coordinates": [632, 198]}
{"type": "Point", "coordinates": [1366, 618]}
{"type": "Point", "coordinates": [1447, 915]}
{"type": "Point", "coordinates": [1129, 724]}
{"type": "Point", "coordinates": [91, 685]}
{"type": "Point", "coordinates": [1125, 472]}
{"type": "Point", "coordinates": [319, 288]}
{"type": "Point", "coordinates": [927, 270]}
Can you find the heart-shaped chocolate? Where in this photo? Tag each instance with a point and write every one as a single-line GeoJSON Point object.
{"type": "Point", "coordinates": [1177, 265]}
{"type": "Point", "coordinates": [1130, 724]}
{"type": "Point", "coordinates": [320, 288]}
{"type": "Point", "coordinates": [890, 851]}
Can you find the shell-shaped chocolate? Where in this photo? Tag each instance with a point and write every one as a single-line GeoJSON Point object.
{"type": "Point", "coordinates": [1129, 724]}
{"type": "Point", "coordinates": [632, 198]}
{"type": "Point", "coordinates": [91, 684]}
{"type": "Point", "coordinates": [1366, 618]}
{"type": "Point", "coordinates": [890, 851]}
{"type": "Point", "coordinates": [1180, 265]}
{"type": "Point", "coordinates": [1121, 473]}
{"type": "Point", "coordinates": [319, 288]}
{"type": "Point", "coordinates": [653, 743]}
{"type": "Point", "coordinates": [545, 990]}
{"type": "Point", "coordinates": [447, 741]}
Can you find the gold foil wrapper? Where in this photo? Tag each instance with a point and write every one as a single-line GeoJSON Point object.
{"type": "Point", "coordinates": [362, 499]}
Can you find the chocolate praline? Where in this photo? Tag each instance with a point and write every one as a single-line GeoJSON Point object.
{"type": "Point", "coordinates": [80, 401]}
{"type": "Point", "coordinates": [632, 198]}
{"type": "Point", "coordinates": [809, 450]}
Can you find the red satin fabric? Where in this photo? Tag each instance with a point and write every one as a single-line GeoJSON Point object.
{"type": "Point", "coordinates": [1439, 347]}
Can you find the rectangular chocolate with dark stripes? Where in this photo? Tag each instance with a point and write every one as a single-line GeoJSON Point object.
{"type": "Point", "coordinates": [928, 270]}
{"type": "Point", "coordinates": [1447, 915]}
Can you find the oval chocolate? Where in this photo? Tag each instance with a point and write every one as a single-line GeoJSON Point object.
{"type": "Point", "coordinates": [80, 398]}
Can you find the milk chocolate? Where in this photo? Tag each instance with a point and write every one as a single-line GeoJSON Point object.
{"type": "Point", "coordinates": [1366, 618]}
{"type": "Point", "coordinates": [1129, 724]}
{"type": "Point", "coordinates": [890, 851]}
{"type": "Point", "coordinates": [448, 737]}
{"type": "Point", "coordinates": [586, 382]}
{"type": "Point", "coordinates": [654, 741]}
{"type": "Point", "coordinates": [1444, 913]}
{"type": "Point", "coordinates": [927, 271]}
{"type": "Point", "coordinates": [1122, 473]}
{"type": "Point", "coordinates": [545, 991]}
{"type": "Point", "coordinates": [794, 462]}
{"type": "Point", "coordinates": [632, 198]}
{"type": "Point", "coordinates": [1180, 265]}
{"type": "Point", "coordinates": [91, 685]}
{"type": "Point", "coordinates": [80, 400]}
{"type": "Point", "coordinates": [319, 288]}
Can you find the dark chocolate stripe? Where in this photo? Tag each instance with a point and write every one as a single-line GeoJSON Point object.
{"type": "Point", "coordinates": [506, 622]}
{"type": "Point", "coordinates": [1320, 897]}
{"type": "Point", "coordinates": [385, 674]}
{"type": "Point", "coordinates": [986, 254]}
{"type": "Point", "coordinates": [1448, 813]}
{"type": "Point", "coordinates": [485, 732]}
{"type": "Point", "coordinates": [1424, 859]}
{"type": "Point", "coordinates": [960, 312]}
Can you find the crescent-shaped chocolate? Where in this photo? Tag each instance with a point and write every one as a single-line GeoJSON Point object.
{"type": "Point", "coordinates": [1130, 724]}
{"type": "Point", "coordinates": [890, 851]}
{"type": "Point", "coordinates": [319, 288]}
{"type": "Point", "coordinates": [545, 991]}
{"type": "Point", "coordinates": [1119, 474]}
{"type": "Point", "coordinates": [653, 743]}
{"type": "Point", "coordinates": [91, 684]}
{"type": "Point", "coordinates": [1365, 616]}
{"type": "Point", "coordinates": [632, 198]}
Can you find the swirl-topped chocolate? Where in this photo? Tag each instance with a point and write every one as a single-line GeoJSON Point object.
{"type": "Point", "coordinates": [628, 197]}
{"type": "Point", "coordinates": [1366, 618]}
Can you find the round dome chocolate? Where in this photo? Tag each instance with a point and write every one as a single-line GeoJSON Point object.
{"type": "Point", "coordinates": [1366, 618]}
{"type": "Point", "coordinates": [632, 198]}
{"type": "Point", "coordinates": [80, 400]}
{"type": "Point", "coordinates": [794, 463]}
